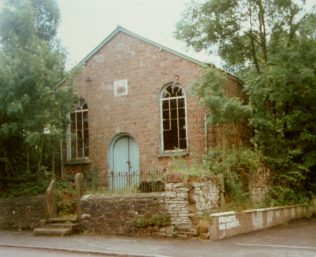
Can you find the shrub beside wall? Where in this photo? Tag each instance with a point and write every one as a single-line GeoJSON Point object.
{"type": "Point", "coordinates": [22, 212]}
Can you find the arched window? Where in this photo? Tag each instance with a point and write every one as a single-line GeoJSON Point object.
{"type": "Point", "coordinates": [173, 118]}
{"type": "Point", "coordinates": [78, 132]}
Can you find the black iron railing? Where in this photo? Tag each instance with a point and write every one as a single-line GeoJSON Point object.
{"type": "Point", "coordinates": [133, 182]}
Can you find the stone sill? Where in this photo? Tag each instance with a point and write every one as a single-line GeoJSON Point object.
{"type": "Point", "coordinates": [78, 161]}
{"type": "Point", "coordinates": [173, 153]}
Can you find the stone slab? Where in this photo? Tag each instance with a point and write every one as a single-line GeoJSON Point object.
{"type": "Point", "coordinates": [227, 224]}
{"type": "Point", "coordinates": [52, 231]}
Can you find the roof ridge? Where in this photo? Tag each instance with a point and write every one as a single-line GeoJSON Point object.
{"type": "Point", "coordinates": [120, 28]}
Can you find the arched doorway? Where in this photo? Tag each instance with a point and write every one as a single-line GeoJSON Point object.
{"type": "Point", "coordinates": [124, 163]}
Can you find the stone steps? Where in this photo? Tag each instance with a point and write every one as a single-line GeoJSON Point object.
{"type": "Point", "coordinates": [62, 219]}
{"type": "Point", "coordinates": [74, 226]}
{"type": "Point", "coordinates": [52, 231]}
{"type": "Point", "coordinates": [57, 227]}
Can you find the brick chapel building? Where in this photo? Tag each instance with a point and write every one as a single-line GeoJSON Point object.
{"type": "Point", "coordinates": [136, 110]}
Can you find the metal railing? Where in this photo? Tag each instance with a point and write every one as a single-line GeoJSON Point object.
{"type": "Point", "coordinates": [133, 182]}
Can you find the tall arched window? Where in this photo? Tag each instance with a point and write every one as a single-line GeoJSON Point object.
{"type": "Point", "coordinates": [173, 118]}
{"type": "Point", "coordinates": [78, 132]}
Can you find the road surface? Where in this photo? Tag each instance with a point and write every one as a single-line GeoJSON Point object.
{"type": "Point", "coordinates": [297, 239]}
{"type": "Point", "coordinates": [20, 252]}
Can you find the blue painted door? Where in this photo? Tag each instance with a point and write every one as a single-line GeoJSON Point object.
{"type": "Point", "coordinates": [125, 164]}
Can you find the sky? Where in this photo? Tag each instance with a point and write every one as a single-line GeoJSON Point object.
{"type": "Point", "coordinates": [85, 23]}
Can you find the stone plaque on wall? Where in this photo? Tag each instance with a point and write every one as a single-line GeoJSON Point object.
{"type": "Point", "coordinates": [120, 87]}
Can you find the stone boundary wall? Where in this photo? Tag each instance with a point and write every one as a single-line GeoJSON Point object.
{"type": "Point", "coordinates": [188, 199]}
{"type": "Point", "coordinates": [227, 224]}
{"type": "Point", "coordinates": [116, 214]}
{"type": "Point", "coordinates": [177, 204]}
{"type": "Point", "coordinates": [22, 212]}
{"type": "Point", "coordinates": [183, 202]}
{"type": "Point", "coordinates": [258, 185]}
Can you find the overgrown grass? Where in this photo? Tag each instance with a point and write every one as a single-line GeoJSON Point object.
{"type": "Point", "coordinates": [66, 197]}
{"type": "Point", "coordinates": [158, 219]}
{"type": "Point", "coordinates": [106, 191]}
{"type": "Point", "coordinates": [192, 168]}
{"type": "Point", "coordinates": [237, 166]}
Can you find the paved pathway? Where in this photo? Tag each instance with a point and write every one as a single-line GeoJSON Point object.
{"type": "Point", "coordinates": [297, 239]}
{"type": "Point", "coordinates": [22, 252]}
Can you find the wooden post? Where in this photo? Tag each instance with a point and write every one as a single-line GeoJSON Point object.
{"type": "Point", "coordinates": [51, 200]}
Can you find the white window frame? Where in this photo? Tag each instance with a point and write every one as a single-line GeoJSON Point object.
{"type": "Point", "coordinates": [161, 99]}
{"type": "Point", "coordinates": [70, 141]}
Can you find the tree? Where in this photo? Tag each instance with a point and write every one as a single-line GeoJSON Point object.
{"type": "Point", "coordinates": [33, 104]}
{"type": "Point", "coordinates": [271, 46]}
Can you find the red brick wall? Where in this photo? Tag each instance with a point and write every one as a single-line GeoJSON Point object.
{"type": "Point", "coordinates": [147, 69]}
{"type": "Point", "coordinates": [229, 135]}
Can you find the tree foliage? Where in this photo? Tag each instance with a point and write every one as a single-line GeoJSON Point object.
{"type": "Point", "coordinates": [33, 104]}
{"type": "Point", "coordinates": [271, 46]}
{"type": "Point", "coordinates": [225, 108]}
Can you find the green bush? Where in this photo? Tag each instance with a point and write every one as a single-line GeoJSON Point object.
{"type": "Point", "coordinates": [66, 197]}
{"type": "Point", "coordinates": [25, 185]}
{"type": "Point", "coordinates": [158, 219]}
{"type": "Point", "coordinates": [90, 178]}
{"type": "Point", "coordinates": [236, 165]}
{"type": "Point", "coordinates": [283, 195]}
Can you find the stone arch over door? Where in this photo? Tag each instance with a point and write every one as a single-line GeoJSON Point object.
{"type": "Point", "coordinates": [123, 162]}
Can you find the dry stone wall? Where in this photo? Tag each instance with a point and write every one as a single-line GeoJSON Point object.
{"type": "Point", "coordinates": [177, 204]}
{"type": "Point", "coordinates": [184, 201]}
{"type": "Point", "coordinates": [22, 212]}
{"type": "Point", "coordinates": [116, 214]}
{"type": "Point", "coordinates": [187, 199]}
{"type": "Point", "coordinates": [206, 195]}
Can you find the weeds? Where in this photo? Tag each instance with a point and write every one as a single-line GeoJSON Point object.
{"type": "Point", "coordinates": [158, 219]}
{"type": "Point", "coordinates": [65, 197]}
